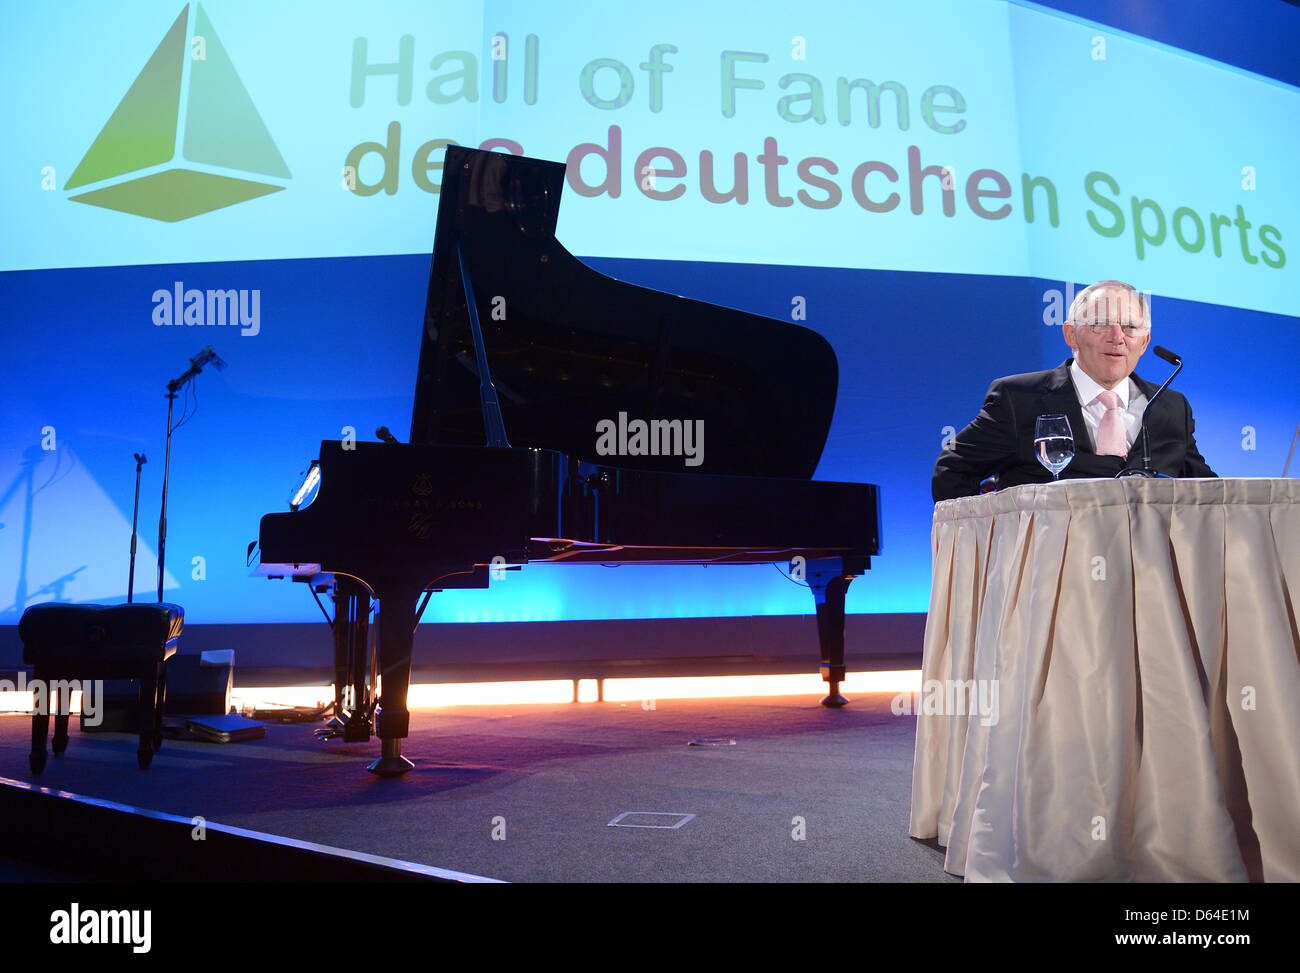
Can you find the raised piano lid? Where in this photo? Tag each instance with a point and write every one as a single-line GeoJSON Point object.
{"type": "Point", "coordinates": [568, 347]}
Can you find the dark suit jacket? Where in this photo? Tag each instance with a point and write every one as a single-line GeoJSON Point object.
{"type": "Point", "coordinates": [1001, 439]}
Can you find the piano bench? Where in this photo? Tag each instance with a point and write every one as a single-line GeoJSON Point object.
{"type": "Point", "coordinates": [95, 642]}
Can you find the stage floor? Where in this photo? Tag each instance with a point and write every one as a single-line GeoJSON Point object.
{"type": "Point", "coordinates": [526, 793]}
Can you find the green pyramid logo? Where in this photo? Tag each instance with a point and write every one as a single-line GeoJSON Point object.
{"type": "Point", "coordinates": [220, 129]}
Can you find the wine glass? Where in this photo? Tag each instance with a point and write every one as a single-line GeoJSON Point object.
{"type": "Point", "coordinates": [1054, 443]}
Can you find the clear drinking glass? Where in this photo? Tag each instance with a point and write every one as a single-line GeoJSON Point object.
{"type": "Point", "coordinates": [1054, 443]}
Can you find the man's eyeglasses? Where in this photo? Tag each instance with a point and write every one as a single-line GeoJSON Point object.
{"type": "Point", "coordinates": [1130, 330]}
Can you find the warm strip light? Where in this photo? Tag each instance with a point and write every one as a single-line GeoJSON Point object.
{"type": "Point", "coordinates": [12, 701]}
{"type": "Point", "coordinates": [268, 697]}
{"type": "Point", "coordinates": [428, 696]}
{"type": "Point", "coordinates": [808, 684]}
{"type": "Point", "coordinates": [433, 696]}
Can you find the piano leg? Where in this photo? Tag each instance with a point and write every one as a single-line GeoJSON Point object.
{"type": "Point", "coordinates": [396, 635]}
{"type": "Point", "coordinates": [829, 582]}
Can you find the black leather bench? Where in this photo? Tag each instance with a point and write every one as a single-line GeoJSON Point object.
{"type": "Point", "coordinates": [84, 642]}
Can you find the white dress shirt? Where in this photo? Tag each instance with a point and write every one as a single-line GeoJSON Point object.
{"type": "Point", "coordinates": [1132, 404]}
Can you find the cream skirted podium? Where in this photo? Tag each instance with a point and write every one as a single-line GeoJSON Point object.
{"type": "Point", "coordinates": [1112, 683]}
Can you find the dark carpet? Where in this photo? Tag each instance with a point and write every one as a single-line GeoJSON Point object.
{"type": "Point", "coordinates": [526, 793]}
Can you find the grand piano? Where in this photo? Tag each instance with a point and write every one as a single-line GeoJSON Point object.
{"type": "Point", "coordinates": [563, 416]}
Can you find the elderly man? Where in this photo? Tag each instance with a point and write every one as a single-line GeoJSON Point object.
{"type": "Point", "coordinates": [1109, 327]}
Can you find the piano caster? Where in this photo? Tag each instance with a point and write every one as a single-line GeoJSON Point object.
{"type": "Point", "coordinates": [392, 763]}
{"type": "Point", "coordinates": [834, 700]}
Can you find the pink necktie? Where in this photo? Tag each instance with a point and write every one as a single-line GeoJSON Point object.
{"type": "Point", "coordinates": [1111, 439]}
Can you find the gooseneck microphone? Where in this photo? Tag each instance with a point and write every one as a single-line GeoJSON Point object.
{"type": "Point", "coordinates": [1146, 470]}
{"type": "Point", "coordinates": [1169, 356]}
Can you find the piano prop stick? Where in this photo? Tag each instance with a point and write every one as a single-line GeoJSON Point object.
{"type": "Point", "coordinates": [522, 340]}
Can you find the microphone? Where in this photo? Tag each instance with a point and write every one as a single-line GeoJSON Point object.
{"type": "Point", "coordinates": [1146, 470]}
{"type": "Point", "coordinates": [196, 366]}
{"type": "Point", "coordinates": [208, 355]}
{"type": "Point", "coordinates": [386, 436]}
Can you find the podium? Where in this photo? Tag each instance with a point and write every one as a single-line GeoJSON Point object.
{"type": "Point", "coordinates": [1111, 683]}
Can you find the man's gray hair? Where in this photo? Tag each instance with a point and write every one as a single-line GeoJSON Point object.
{"type": "Point", "coordinates": [1084, 296]}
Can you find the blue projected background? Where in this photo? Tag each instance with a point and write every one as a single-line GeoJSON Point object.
{"type": "Point", "coordinates": [922, 183]}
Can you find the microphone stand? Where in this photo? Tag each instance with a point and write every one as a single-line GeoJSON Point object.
{"type": "Point", "coordinates": [174, 386]}
{"type": "Point", "coordinates": [1146, 469]}
{"type": "Point", "coordinates": [140, 460]}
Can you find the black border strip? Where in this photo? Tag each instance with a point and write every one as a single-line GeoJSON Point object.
{"type": "Point", "coordinates": [89, 839]}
